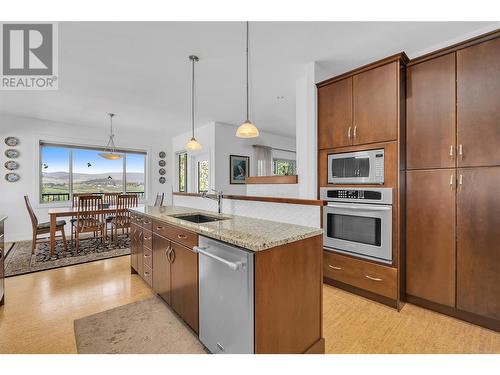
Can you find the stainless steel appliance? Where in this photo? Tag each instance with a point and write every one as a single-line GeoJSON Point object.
{"type": "Point", "coordinates": [358, 222]}
{"type": "Point", "coordinates": [360, 167]}
{"type": "Point", "coordinates": [226, 297]}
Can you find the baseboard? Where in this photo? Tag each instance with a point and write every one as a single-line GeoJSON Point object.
{"type": "Point", "coordinates": [363, 293]}
{"type": "Point", "coordinates": [479, 320]}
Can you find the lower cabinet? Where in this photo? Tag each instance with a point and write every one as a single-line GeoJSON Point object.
{"type": "Point", "coordinates": [2, 257]}
{"type": "Point", "coordinates": [134, 229]}
{"type": "Point", "coordinates": [161, 267]}
{"type": "Point", "coordinates": [184, 283]}
{"type": "Point", "coordinates": [478, 241]}
{"type": "Point", "coordinates": [430, 234]}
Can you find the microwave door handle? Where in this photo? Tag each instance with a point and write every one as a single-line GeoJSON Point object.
{"type": "Point", "coordinates": [360, 208]}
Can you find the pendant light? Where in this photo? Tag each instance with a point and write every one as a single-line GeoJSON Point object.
{"type": "Point", "coordinates": [193, 144]}
{"type": "Point", "coordinates": [109, 151]}
{"type": "Point", "coordinates": [247, 129]}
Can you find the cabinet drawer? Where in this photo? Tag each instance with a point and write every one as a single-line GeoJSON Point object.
{"type": "Point", "coordinates": [148, 257]}
{"type": "Point", "coordinates": [362, 274]}
{"type": "Point", "coordinates": [148, 275]}
{"type": "Point", "coordinates": [147, 239]}
{"type": "Point", "coordinates": [147, 223]}
{"type": "Point", "coordinates": [135, 218]}
{"type": "Point", "coordinates": [184, 237]}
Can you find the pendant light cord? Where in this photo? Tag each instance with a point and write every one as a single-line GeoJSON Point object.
{"type": "Point", "coordinates": [192, 98]}
{"type": "Point", "coordinates": [248, 119]}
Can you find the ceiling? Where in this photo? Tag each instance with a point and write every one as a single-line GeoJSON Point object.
{"type": "Point", "coordinates": [141, 71]}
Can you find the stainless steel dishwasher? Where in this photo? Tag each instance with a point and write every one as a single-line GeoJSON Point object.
{"type": "Point", "coordinates": [226, 297]}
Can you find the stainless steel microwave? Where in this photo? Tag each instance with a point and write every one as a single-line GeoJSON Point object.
{"type": "Point", "coordinates": [360, 167]}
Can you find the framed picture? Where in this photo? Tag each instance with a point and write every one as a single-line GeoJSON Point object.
{"type": "Point", "coordinates": [239, 167]}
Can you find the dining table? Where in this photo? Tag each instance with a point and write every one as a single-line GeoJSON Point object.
{"type": "Point", "coordinates": [58, 212]}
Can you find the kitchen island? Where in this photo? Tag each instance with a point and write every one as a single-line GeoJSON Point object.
{"type": "Point", "coordinates": [284, 275]}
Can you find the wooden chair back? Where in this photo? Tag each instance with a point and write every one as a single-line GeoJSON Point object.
{"type": "Point", "coordinates": [88, 215]}
{"type": "Point", "coordinates": [74, 202]}
{"type": "Point", "coordinates": [34, 219]}
{"type": "Point", "coordinates": [159, 199]}
{"type": "Point", "coordinates": [111, 198]}
{"type": "Point", "coordinates": [124, 202]}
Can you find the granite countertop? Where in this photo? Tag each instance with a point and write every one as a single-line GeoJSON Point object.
{"type": "Point", "coordinates": [249, 233]}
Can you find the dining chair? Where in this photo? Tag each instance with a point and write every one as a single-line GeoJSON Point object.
{"type": "Point", "coordinates": [159, 199]}
{"type": "Point", "coordinates": [43, 228]}
{"type": "Point", "coordinates": [121, 219]}
{"type": "Point", "coordinates": [89, 218]}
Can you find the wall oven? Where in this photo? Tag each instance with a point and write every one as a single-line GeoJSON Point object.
{"type": "Point", "coordinates": [358, 222]}
{"type": "Point", "coordinates": [360, 167]}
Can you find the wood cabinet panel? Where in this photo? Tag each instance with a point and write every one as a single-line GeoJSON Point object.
{"type": "Point", "coordinates": [184, 237]}
{"type": "Point", "coordinates": [140, 253]}
{"type": "Point", "coordinates": [184, 292]}
{"type": "Point", "coordinates": [146, 223]}
{"type": "Point", "coordinates": [161, 267]}
{"type": "Point", "coordinates": [478, 109]}
{"type": "Point", "coordinates": [148, 275]}
{"type": "Point", "coordinates": [147, 239]}
{"type": "Point", "coordinates": [373, 277]}
{"type": "Point", "coordinates": [430, 114]}
{"type": "Point", "coordinates": [148, 257]}
{"type": "Point", "coordinates": [133, 246]}
{"type": "Point", "coordinates": [430, 235]}
{"type": "Point", "coordinates": [2, 262]}
{"type": "Point", "coordinates": [478, 241]}
{"type": "Point", "coordinates": [376, 102]}
{"type": "Point", "coordinates": [335, 114]}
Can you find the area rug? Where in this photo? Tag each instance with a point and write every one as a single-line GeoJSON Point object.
{"type": "Point", "coordinates": [19, 260]}
{"type": "Point", "coordinates": [144, 327]}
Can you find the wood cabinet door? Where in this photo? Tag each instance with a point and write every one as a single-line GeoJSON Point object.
{"type": "Point", "coordinates": [2, 263]}
{"type": "Point", "coordinates": [185, 284]}
{"type": "Point", "coordinates": [140, 253]}
{"type": "Point", "coordinates": [430, 235]}
{"type": "Point", "coordinates": [335, 114]}
{"type": "Point", "coordinates": [162, 267]}
{"type": "Point", "coordinates": [430, 114]}
{"type": "Point", "coordinates": [478, 241]}
{"type": "Point", "coordinates": [376, 101]}
{"type": "Point", "coordinates": [478, 104]}
{"type": "Point", "coordinates": [133, 246]}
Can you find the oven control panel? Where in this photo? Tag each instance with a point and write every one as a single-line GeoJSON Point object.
{"type": "Point", "coordinates": [373, 195]}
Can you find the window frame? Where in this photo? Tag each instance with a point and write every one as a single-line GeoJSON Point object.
{"type": "Point", "coordinates": [178, 171]}
{"type": "Point", "coordinates": [70, 147]}
{"type": "Point", "coordinates": [198, 175]}
{"type": "Point", "coordinates": [291, 161]}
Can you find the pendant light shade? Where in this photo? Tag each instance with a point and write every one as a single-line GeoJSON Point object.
{"type": "Point", "coordinates": [193, 144]}
{"type": "Point", "coordinates": [247, 129]}
{"type": "Point", "coordinates": [109, 151]}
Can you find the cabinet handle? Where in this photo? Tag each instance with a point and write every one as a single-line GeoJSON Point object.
{"type": "Point", "coordinates": [373, 278]}
{"type": "Point", "coordinates": [167, 251]}
{"type": "Point", "coordinates": [159, 228]}
{"type": "Point", "coordinates": [147, 255]}
{"type": "Point", "coordinates": [334, 267]}
{"type": "Point", "coordinates": [461, 180]}
{"type": "Point", "coordinates": [355, 131]}
{"type": "Point", "coordinates": [172, 256]}
{"type": "Point", "coordinates": [146, 222]}
{"type": "Point", "coordinates": [451, 151]}
{"type": "Point", "coordinates": [147, 238]}
{"type": "Point", "coordinates": [451, 181]}
{"type": "Point", "coordinates": [146, 273]}
{"type": "Point", "coordinates": [460, 151]}
{"type": "Point", "coordinates": [349, 133]}
{"type": "Point", "coordinates": [181, 236]}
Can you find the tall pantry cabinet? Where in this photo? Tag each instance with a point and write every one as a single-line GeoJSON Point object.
{"type": "Point", "coordinates": [453, 181]}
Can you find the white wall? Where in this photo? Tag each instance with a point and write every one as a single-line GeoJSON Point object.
{"type": "Point", "coordinates": [30, 130]}
{"type": "Point", "coordinates": [220, 141]}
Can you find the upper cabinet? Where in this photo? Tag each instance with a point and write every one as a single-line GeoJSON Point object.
{"type": "Point", "coordinates": [375, 105]}
{"type": "Point", "coordinates": [478, 104]}
{"type": "Point", "coordinates": [360, 107]}
{"type": "Point", "coordinates": [335, 114]}
{"type": "Point", "coordinates": [430, 114]}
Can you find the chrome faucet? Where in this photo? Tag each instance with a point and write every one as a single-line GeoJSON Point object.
{"type": "Point", "coordinates": [217, 198]}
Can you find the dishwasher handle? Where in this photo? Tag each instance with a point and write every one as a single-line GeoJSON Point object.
{"type": "Point", "coordinates": [233, 265]}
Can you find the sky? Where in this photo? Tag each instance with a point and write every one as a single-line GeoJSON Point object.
{"type": "Point", "coordinates": [56, 159]}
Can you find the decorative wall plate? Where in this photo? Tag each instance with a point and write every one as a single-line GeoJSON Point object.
{"type": "Point", "coordinates": [162, 180]}
{"type": "Point", "coordinates": [12, 177]}
{"type": "Point", "coordinates": [11, 165]}
{"type": "Point", "coordinates": [11, 141]}
{"type": "Point", "coordinates": [11, 153]}
{"type": "Point", "coordinates": [162, 171]}
{"type": "Point", "coordinates": [162, 163]}
{"type": "Point", "coordinates": [162, 154]}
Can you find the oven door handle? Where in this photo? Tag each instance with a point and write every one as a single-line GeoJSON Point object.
{"type": "Point", "coordinates": [360, 207]}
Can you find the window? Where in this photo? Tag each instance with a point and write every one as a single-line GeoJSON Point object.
{"type": "Point", "coordinates": [283, 167]}
{"type": "Point", "coordinates": [66, 169]}
{"type": "Point", "coordinates": [182, 172]}
{"type": "Point", "coordinates": [203, 176]}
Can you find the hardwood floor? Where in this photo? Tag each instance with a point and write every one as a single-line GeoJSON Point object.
{"type": "Point", "coordinates": [41, 307]}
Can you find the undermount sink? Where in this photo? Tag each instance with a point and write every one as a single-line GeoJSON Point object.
{"type": "Point", "coordinates": [198, 218]}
